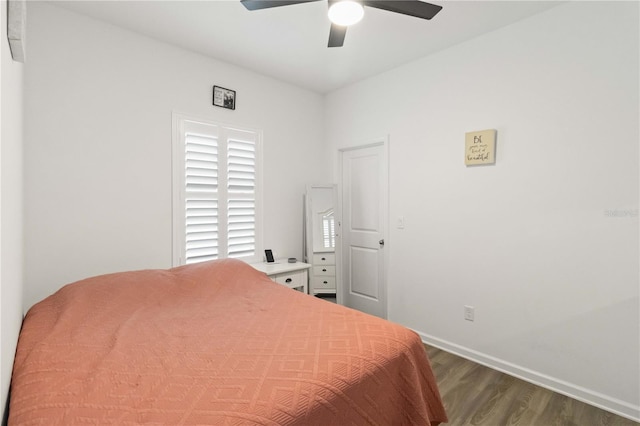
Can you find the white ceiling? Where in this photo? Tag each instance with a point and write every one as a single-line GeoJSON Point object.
{"type": "Point", "coordinates": [290, 43]}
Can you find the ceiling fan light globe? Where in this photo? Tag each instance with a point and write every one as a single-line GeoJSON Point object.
{"type": "Point", "coordinates": [346, 12]}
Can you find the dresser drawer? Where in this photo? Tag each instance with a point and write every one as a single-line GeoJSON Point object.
{"type": "Point", "coordinates": [324, 270]}
{"type": "Point", "coordinates": [324, 259]}
{"type": "Point", "coordinates": [323, 283]}
{"type": "Point", "coordinates": [291, 279]}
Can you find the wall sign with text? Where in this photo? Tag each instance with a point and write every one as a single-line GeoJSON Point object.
{"type": "Point", "coordinates": [480, 147]}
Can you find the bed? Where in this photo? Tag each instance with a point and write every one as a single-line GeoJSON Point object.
{"type": "Point", "coordinates": [215, 343]}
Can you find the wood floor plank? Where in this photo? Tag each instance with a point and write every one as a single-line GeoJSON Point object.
{"type": "Point", "coordinates": [528, 405]}
{"type": "Point", "coordinates": [480, 396]}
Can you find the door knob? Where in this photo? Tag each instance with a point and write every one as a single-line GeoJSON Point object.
{"type": "Point", "coordinates": [381, 242]}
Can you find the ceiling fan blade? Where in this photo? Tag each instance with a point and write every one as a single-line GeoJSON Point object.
{"type": "Point", "coordinates": [336, 35]}
{"type": "Point", "coordinates": [416, 8]}
{"type": "Point", "coordinates": [266, 4]}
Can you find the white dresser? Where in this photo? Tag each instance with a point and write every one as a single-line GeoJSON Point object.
{"type": "Point", "coordinates": [323, 273]}
{"type": "Point", "coordinates": [293, 275]}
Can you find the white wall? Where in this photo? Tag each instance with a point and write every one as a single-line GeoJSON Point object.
{"type": "Point", "coordinates": [544, 244]}
{"type": "Point", "coordinates": [98, 104]}
{"type": "Point", "coordinates": [11, 252]}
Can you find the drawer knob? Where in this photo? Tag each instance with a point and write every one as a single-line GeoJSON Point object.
{"type": "Point", "coordinates": [324, 258]}
{"type": "Point", "coordinates": [325, 282]}
{"type": "Point", "coordinates": [324, 270]}
{"type": "Point", "coordinates": [288, 280]}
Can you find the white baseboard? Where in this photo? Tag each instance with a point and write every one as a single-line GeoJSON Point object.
{"type": "Point", "coordinates": [613, 405]}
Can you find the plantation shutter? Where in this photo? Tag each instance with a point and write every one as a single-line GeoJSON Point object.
{"type": "Point", "coordinates": [241, 190]}
{"type": "Point", "coordinates": [219, 207]}
{"type": "Point", "coordinates": [201, 194]}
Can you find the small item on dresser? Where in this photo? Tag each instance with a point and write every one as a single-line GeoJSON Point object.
{"type": "Point", "coordinates": [269, 255]}
{"type": "Point", "coordinates": [292, 260]}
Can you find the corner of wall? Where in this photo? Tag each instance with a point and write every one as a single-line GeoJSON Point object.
{"type": "Point", "coordinates": [11, 213]}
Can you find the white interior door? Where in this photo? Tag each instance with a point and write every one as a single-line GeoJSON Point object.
{"type": "Point", "coordinates": [364, 219]}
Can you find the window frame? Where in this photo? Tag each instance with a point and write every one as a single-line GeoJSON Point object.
{"type": "Point", "coordinates": [178, 243]}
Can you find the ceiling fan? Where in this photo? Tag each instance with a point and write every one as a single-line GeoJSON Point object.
{"type": "Point", "coordinates": [343, 13]}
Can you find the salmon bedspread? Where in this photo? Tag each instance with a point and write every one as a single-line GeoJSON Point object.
{"type": "Point", "coordinates": [215, 343]}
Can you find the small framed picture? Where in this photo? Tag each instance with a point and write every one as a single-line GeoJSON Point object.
{"type": "Point", "coordinates": [224, 98]}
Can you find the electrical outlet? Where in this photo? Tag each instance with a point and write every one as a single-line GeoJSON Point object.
{"type": "Point", "coordinates": [469, 313]}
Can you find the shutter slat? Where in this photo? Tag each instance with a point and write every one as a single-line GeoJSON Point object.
{"type": "Point", "coordinates": [203, 251]}
{"type": "Point", "coordinates": [196, 259]}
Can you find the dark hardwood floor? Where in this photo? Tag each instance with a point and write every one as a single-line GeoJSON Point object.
{"type": "Point", "coordinates": [477, 395]}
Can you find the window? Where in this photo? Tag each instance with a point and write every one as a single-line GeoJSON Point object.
{"type": "Point", "coordinates": [216, 203]}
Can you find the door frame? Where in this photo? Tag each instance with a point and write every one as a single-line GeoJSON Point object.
{"type": "Point", "coordinates": [340, 269]}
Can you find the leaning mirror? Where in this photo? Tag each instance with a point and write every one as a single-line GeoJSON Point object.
{"type": "Point", "coordinates": [320, 238]}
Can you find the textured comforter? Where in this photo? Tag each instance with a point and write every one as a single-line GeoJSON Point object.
{"type": "Point", "coordinates": [214, 343]}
